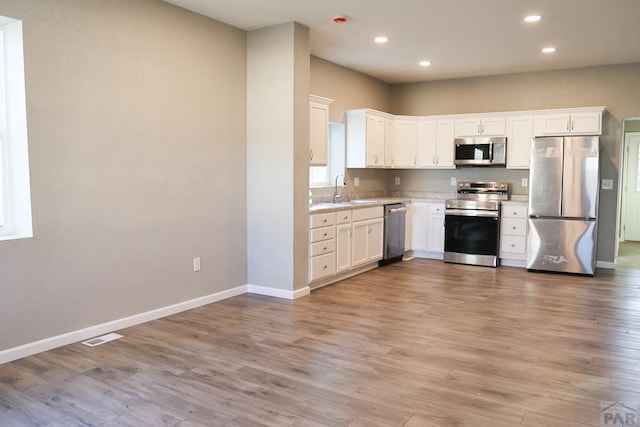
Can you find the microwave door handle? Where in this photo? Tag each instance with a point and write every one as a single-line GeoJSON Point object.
{"type": "Point", "coordinates": [490, 151]}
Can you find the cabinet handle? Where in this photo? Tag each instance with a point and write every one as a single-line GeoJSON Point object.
{"type": "Point", "coordinates": [310, 154]}
{"type": "Point", "coordinates": [325, 249]}
{"type": "Point", "coordinates": [325, 234]}
{"type": "Point", "coordinates": [515, 213]}
{"type": "Point", "coordinates": [567, 124]}
{"type": "Point", "coordinates": [479, 128]}
{"type": "Point", "coordinates": [325, 220]}
{"type": "Point", "coordinates": [513, 245]}
{"type": "Point", "coordinates": [514, 227]}
{"type": "Point", "coordinates": [325, 267]}
{"type": "Point", "coordinates": [573, 123]}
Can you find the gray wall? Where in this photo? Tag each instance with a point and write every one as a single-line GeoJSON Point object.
{"type": "Point", "coordinates": [351, 90]}
{"type": "Point", "coordinates": [277, 162]}
{"type": "Point", "coordinates": [615, 87]}
{"type": "Point", "coordinates": [137, 139]}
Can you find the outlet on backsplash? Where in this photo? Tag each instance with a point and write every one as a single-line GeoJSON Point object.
{"type": "Point", "coordinates": [453, 181]}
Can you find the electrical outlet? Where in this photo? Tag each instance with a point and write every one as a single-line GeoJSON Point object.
{"type": "Point", "coordinates": [356, 181]}
{"type": "Point", "coordinates": [397, 180]}
{"type": "Point", "coordinates": [607, 184]}
{"type": "Point", "coordinates": [525, 182]}
{"type": "Point", "coordinates": [453, 181]}
{"type": "Point", "coordinates": [196, 264]}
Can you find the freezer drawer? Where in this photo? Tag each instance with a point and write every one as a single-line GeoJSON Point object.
{"type": "Point", "coordinates": [561, 245]}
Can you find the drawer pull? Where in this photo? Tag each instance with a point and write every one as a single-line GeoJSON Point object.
{"type": "Point", "coordinates": [514, 227]}
{"type": "Point", "coordinates": [325, 267]}
{"type": "Point", "coordinates": [325, 220]}
{"type": "Point", "coordinates": [513, 245]}
{"type": "Point", "coordinates": [325, 249]}
{"type": "Point", "coordinates": [515, 213]}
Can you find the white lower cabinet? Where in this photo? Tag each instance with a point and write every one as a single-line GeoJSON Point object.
{"type": "Point", "coordinates": [368, 238]}
{"type": "Point", "coordinates": [435, 233]}
{"type": "Point", "coordinates": [513, 234]}
{"type": "Point", "coordinates": [344, 234]}
{"type": "Point", "coordinates": [427, 229]}
{"type": "Point", "coordinates": [344, 240]}
{"type": "Point", "coordinates": [322, 246]}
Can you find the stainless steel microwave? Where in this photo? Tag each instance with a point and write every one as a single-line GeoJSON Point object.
{"type": "Point", "coordinates": [481, 151]}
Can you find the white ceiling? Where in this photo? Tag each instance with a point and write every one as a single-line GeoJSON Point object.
{"type": "Point", "coordinates": [462, 38]}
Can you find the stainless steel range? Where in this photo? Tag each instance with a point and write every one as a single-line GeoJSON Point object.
{"type": "Point", "coordinates": [472, 223]}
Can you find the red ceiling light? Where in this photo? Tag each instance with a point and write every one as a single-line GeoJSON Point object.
{"type": "Point", "coordinates": [340, 19]}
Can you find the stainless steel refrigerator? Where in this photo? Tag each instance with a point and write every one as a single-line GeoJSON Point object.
{"type": "Point", "coordinates": [563, 204]}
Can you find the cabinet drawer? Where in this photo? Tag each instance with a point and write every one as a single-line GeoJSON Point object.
{"type": "Point", "coordinates": [322, 220]}
{"type": "Point", "coordinates": [514, 211]}
{"type": "Point", "coordinates": [321, 248]}
{"type": "Point", "coordinates": [343, 217]}
{"type": "Point", "coordinates": [324, 233]}
{"type": "Point", "coordinates": [436, 208]}
{"type": "Point", "coordinates": [367, 213]}
{"type": "Point", "coordinates": [514, 226]}
{"type": "Point", "coordinates": [513, 244]}
{"type": "Point", "coordinates": [322, 266]}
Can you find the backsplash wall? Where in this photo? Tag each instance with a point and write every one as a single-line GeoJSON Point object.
{"type": "Point", "coordinates": [439, 181]}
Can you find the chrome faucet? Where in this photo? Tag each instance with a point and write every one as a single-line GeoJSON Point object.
{"type": "Point", "coordinates": [337, 196]}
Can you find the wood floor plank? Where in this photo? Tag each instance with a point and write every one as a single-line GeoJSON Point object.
{"type": "Point", "coordinates": [416, 343]}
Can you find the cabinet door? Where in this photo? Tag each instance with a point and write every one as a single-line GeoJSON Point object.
{"type": "Point", "coordinates": [519, 135]}
{"type": "Point", "coordinates": [419, 226]}
{"type": "Point", "coordinates": [493, 126]}
{"type": "Point", "coordinates": [406, 140]}
{"type": "Point", "coordinates": [376, 127]}
{"type": "Point", "coordinates": [586, 123]}
{"type": "Point", "coordinates": [389, 143]}
{"type": "Point", "coordinates": [435, 232]}
{"type": "Point", "coordinates": [319, 133]}
{"type": "Point", "coordinates": [426, 145]}
{"type": "Point", "coordinates": [375, 239]}
{"type": "Point", "coordinates": [553, 124]}
{"type": "Point", "coordinates": [343, 247]}
{"type": "Point", "coordinates": [408, 225]}
{"type": "Point", "coordinates": [467, 127]}
{"type": "Point", "coordinates": [359, 242]}
{"type": "Point", "coordinates": [445, 148]}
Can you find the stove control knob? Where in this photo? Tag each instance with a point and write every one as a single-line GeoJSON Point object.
{"type": "Point", "coordinates": [502, 185]}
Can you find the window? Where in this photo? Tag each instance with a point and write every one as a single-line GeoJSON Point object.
{"type": "Point", "coordinates": [15, 198]}
{"type": "Point", "coordinates": [324, 176]}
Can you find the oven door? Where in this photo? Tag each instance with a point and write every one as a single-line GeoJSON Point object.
{"type": "Point", "coordinates": [471, 237]}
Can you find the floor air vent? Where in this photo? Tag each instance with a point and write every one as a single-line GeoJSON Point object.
{"type": "Point", "coordinates": [101, 340]}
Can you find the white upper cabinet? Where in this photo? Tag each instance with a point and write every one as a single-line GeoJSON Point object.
{"type": "Point", "coordinates": [519, 135]}
{"type": "Point", "coordinates": [406, 142]}
{"type": "Point", "coordinates": [318, 130]}
{"type": "Point", "coordinates": [381, 140]}
{"type": "Point", "coordinates": [569, 122]}
{"type": "Point", "coordinates": [389, 143]}
{"type": "Point", "coordinates": [366, 137]}
{"type": "Point", "coordinates": [480, 125]}
{"type": "Point", "coordinates": [435, 144]}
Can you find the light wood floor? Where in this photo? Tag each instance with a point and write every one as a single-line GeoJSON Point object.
{"type": "Point", "coordinates": [418, 343]}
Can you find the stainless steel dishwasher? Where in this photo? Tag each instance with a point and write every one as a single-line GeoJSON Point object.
{"type": "Point", "coordinates": [394, 224]}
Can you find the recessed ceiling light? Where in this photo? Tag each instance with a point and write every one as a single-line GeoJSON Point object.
{"type": "Point", "coordinates": [549, 49]}
{"type": "Point", "coordinates": [381, 39]}
{"type": "Point", "coordinates": [532, 18]}
{"type": "Point", "coordinates": [424, 63]}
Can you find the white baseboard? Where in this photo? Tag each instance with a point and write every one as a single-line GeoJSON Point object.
{"type": "Point", "coordinates": [25, 350]}
{"type": "Point", "coordinates": [279, 293]}
{"type": "Point", "coordinates": [606, 264]}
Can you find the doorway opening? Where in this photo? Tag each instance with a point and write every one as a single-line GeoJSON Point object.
{"type": "Point", "coordinates": [628, 250]}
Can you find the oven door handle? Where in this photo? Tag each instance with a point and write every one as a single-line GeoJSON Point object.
{"type": "Point", "coordinates": [471, 212]}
